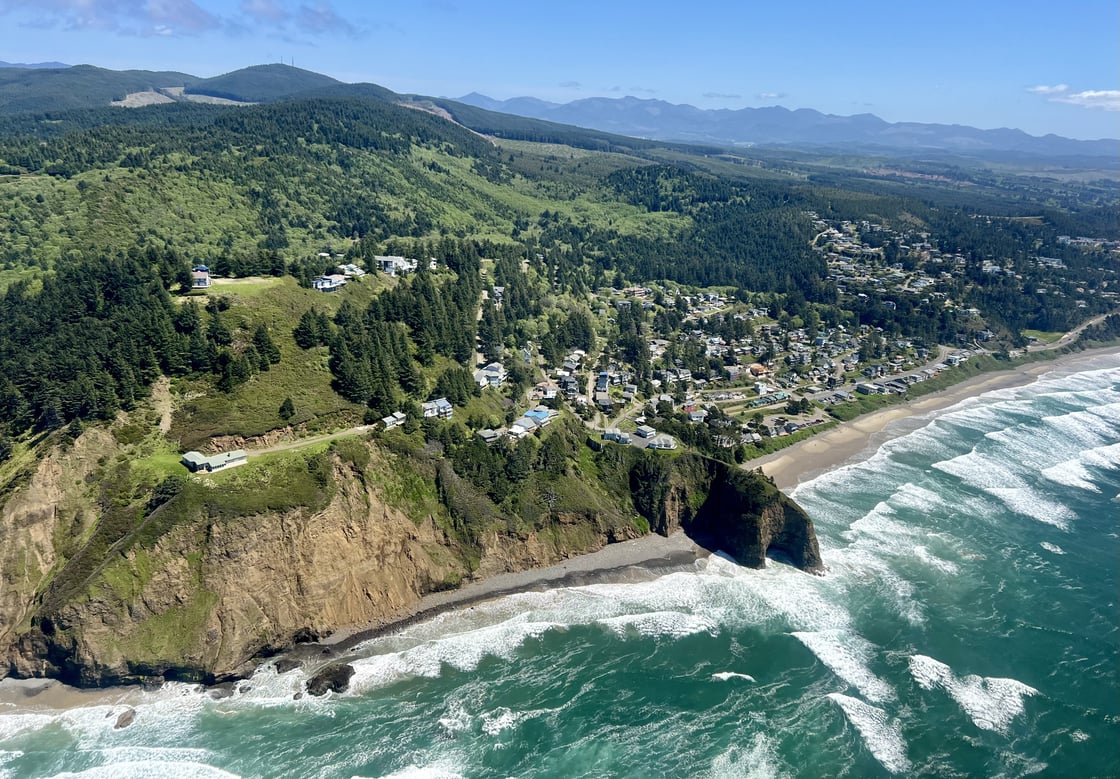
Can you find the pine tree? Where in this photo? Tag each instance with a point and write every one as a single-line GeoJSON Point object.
{"type": "Point", "coordinates": [269, 351]}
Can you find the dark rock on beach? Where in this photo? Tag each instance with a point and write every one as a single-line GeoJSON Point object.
{"type": "Point", "coordinates": [125, 719]}
{"type": "Point", "coordinates": [333, 678]}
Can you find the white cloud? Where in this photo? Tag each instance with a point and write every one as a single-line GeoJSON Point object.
{"type": "Point", "coordinates": [1042, 89]}
{"type": "Point", "coordinates": [183, 17]}
{"type": "Point", "coordinates": [1107, 99]}
{"type": "Point", "coordinates": [770, 95]}
{"type": "Point", "coordinates": [1104, 99]}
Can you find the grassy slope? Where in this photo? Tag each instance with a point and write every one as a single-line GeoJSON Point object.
{"type": "Point", "coordinates": [301, 374]}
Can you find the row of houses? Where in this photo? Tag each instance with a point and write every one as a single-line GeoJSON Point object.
{"type": "Point", "coordinates": [528, 423]}
{"type": "Point", "coordinates": [440, 408]}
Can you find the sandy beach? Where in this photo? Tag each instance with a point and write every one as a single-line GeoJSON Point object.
{"type": "Point", "coordinates": [833, 448]}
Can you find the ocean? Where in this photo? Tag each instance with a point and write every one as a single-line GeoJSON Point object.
{"type": "Point", "coordinates": [968, 624]}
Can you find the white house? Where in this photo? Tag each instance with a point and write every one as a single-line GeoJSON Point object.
{"type": "Point", "coordinates": [493, 375]}
{"type": "Point", "coordinates": [394, 265]}
{"type": "Point", "coordinates": [200, 277]}
{"type": "Point", "coordinates": [440, 407]}
{"type": "Point", "coordinates": [196, 461]}
{"type": "Point", "coordinates": [330, 283]}
{"type": "Point", "coordinates": [396, 419]}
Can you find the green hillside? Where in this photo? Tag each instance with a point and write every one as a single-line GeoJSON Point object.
{"type": "Point", "coordinates": [39, 90]}
{"type": "Point", "coordinates": [261, 83]}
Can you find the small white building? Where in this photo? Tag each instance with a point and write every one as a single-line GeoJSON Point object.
{"type": "Point", "coordinates": [394, 265]}
{"type": "Point", "coordinates": [200, 277]}
{"type": "Point", "coordinates": [396, 419]}
{"type": "Point", "coordinates": [196, 461]}
{"type": "Point", "coordinates": [331, 283]}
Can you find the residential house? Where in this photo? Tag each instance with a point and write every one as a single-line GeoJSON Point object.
{"type": "Point", "coordinates": [396, 419]}
{"type": "Point", "coordinates": [331, 283]}
{"type": "Point", "coordinates": [490, 437]}
{"type": "Point", "coordinates": [493, 375]}
{"type": "Point", "coordinates": [394, 265]}
{"type": "Point", "coordinates": [200, 277]}
{"type": "Point", "coordinates": [542, 415]}
{"type": "Point", "coordinates": [523, 426]}
{"type": "Point", "coordinates": [662, 441]}
{"type": "Point", "coordinates": [616, 435]}
{"type": "Point", "coordinates": [196, 461]}
{"type": "Point", "coordinates": [440, 407]}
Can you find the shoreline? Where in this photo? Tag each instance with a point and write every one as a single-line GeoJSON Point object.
{"type": "Point", "coordinates": [638, 559]}
{"type": "Point", "coordinates": [824, 452]}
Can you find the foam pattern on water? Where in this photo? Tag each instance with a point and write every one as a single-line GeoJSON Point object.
{"type": "Point", "coordinates": [757, 760]}
{"type": "Point", "coordinates": [991, 703]}
{"type": "Point", "coordinates": [150, 769]}
{"type": "Point", "coordinates": [848, 656]}
{"type": "Point", "coordinates": [881, 734]}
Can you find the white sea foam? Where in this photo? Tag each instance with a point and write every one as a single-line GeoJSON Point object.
{"type": "Point", "coordinates": [847, 655]}
{"type": "Point", "coordinates": [1104, 457]}
{"type": "Point", "coordinates": [457, 719]}
{"type": "Point", "coordinates": [759, 760]}
{"type": "Point", "coordinates": [978, 470]}
{"type": "Point", "coordinates": [1071, 473]}
{"type": "Point", "coordinates": [1054, 548]}
{"type": "Point", "coordinates": [462, 651]}
{"type": "Point", "coordinates": [150, 770]}
{"type": "Point", "coordinates": [1088, 429]}
{"type": "Point", "coordinates": [8, 756]}
{"type": "Point", "coordinates": [927, 557]}
{"type": "Point", "coordinates": [1030, 503]}
{"type": "Point", "coordinates": [439, 770]}
{"type": "Point", "coordinates": [671, 624]}
{"type": "Point", "coordinates": [723, 676]}
{"type": "Point", "coordinates": [991, 703]}
{"type": "Point", "coordinates": [882, 735]}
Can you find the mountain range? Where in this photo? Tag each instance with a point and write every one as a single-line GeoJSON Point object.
{"type": "Point", "coordinates": [41, 89]}
{"type": "Point", "coordinates": [663, 121]}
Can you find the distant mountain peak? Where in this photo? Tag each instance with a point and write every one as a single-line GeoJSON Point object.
{"type": "Point", "coordinates": [34, 65]}
{"type": "Point", "coordinates": [776, 125]}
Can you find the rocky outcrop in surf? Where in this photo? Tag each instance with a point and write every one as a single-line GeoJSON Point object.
{"type": "Point", "coordinates": [724, 507]}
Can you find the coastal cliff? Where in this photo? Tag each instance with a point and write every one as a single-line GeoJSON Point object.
{"type": "Point", "coordinates": [202, 576]}
{"type": "Point", "coordinates": [721, 506]}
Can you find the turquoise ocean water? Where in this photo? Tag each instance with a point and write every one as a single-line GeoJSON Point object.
{"type": "Point", "coordinates": [968, 624]}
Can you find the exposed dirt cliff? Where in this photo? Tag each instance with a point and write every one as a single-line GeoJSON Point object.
{"type": "Point", "coordinates": [194, 578]}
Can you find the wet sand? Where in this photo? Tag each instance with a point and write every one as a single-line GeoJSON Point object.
{"type": "Point", "coordinates": [636, 560]}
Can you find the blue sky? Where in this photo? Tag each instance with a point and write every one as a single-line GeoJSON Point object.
{"type": "Point", "coordinates": [1043, 67]}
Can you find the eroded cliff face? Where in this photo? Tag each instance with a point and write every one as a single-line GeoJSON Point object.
{"type": "Point", "coordinates": [212, 589]}
{"type": "Point", "coordinates": [211, 595]}
{"type": "Point", "coordinates": [51, 511]}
